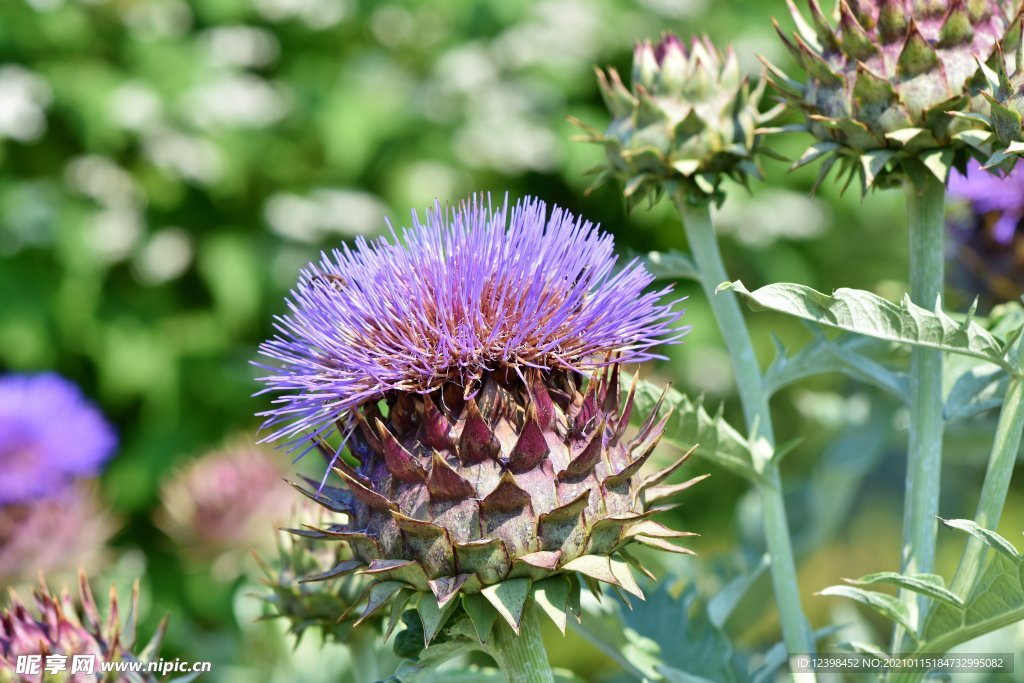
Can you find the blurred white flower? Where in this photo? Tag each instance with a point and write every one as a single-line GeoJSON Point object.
{"type": "Point", "coordinates": [104, 181]}
{"type": "Point", "coordinates": [393, 25]}
{"type": "Point", "coordinates": [561, 33]}
{"type": "Point", "coordinates": [772, 215]}
{"type": "Point", "coordinates": [325, 212]}
{"type": "Point", "coordinates": [135, 106]}
{"type": "Point", "coordinates": [675, 9]}
{"type": "Point", "coordinates": [157, 19]}
{"type": "Point", "coordinates": [24, 97]}
{"type": "Point", "coordinates": [166, 256]}
{"type": "Point", "coordinates": [504, 132]}
{"type": "Point", "coordinates": [240, 46]}
{"type": "Point", "coordinates": [114, 233]}
{"type": "Point", "coordinates": [235, 100]}
{"type": "Point", "coordinates": [315, 14]}
{"type": "Point", "coordinates": [192, 158]}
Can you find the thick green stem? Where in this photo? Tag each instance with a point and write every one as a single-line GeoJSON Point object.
{"type": "Point", "coordinates": [925, 218]}
{"type": "Point", "coordinates": [521, 658]}
{"type": "Point", "coordinates": [704, 249]}
{"type": "Point", "coordinates": [362, 648]}
{"type": "Point", "coordinates": [997, 483]}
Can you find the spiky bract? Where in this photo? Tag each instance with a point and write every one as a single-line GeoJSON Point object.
{"type": "Point", "coordinates": [882, 82]}
{"type": "Point", "coordinates": [499, 495]}
{"type": "Point", "coordinates": [487, 467]}
{"type": "Point", "coordinates": [1004, 92]}
{"type": "Point", "coordinates": [301, 594]}
{"type": "Point", "coordinates": [61, 626]}
{"type": "Point", "coordinates": [688, 119]}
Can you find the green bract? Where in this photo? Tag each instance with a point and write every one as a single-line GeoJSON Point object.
{"type": "Point", "coordinates": [1004, 91]}
{"type": "Point", "coordinates": [306, 596]}
{"type": "Point", "coordinates": [689, 118]}
{"type": "Point", "coordinates": [881, 84]}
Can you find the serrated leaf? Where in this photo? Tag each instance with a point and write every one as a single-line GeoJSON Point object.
{"type": "Point", "coordinates": [995, 600]}
{"type": "Point", "coordinates": [975, 387]}
{"type": "Point", "coordinates": [691, 424]}
{"type": "Point", "coordinates": [930, 585]}
{"type": "Point", "coordinates": [989, 538]}
{"type": "Point", "coordinates": [887, 605]}
{"type": "Point", "coordinates": [865, 313]}
{"type": "Point", "coordinates": [847, 355]}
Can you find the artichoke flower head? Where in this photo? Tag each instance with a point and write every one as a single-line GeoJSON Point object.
{"type": "Point", "coordinates": [886, 81]}
{"type": "Point", "coordinates": [688, 119]}
{"type": "Point", "coordinates": [472, 371]}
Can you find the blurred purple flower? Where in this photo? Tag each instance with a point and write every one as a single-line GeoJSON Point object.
{"type": "Point", "coordinates": [988, 193]}
{"type": "Point", "coordinates": [227, 499]}
{"type": "Point", "coordinates": [49, 435]}
{"type": "Point", "coordinates": [473, 289]}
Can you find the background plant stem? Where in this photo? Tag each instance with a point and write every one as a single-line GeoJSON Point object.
{"type": "Point", "coordinates": [362, 648]}
{"type": "Point", "coordinates": [997, 478]}
{"type": "Point", "coordinates": [750, 386]}
{"type": "Point", "coordinates": [521, 658]}
{"type": "Point", "coordinates": [925, 219]}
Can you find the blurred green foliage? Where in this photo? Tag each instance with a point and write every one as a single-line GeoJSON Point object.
{"type": "Point", "coordinates": [167, 167]}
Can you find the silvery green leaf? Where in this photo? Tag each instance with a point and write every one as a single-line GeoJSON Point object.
{"type": "Point", "coordinates": [995, 600]}
{"type": "Point", "coordinates": [691, 424]}
{"type": "Point", "coordinates": [865, 313]}
{"type": "Point", "coordinates": [930, 585]}
{"type": "Point", "coordinates": [886, 605]}
{"type": "Point", "coordinates": [776, 657]}
{"type": "Point", "coordinates": [975, 387]}
{"type": "Point", "coordinates": [849, 355]}
{"type": "Point", "coordinates": [722, 604]}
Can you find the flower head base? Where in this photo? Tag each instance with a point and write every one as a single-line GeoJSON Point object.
{"type": "Point", "coordinates": [881, 84]}
{"type": "Point", "coordinates": [488, 469]}
{"type": "Point", "coordinates": [54, 536]}
{"type": "Point", "coordinates": [228, 499]}
{"type": "Point", "coordinates": [59, 626]}
{"type": "Point", "coordinates": [689, 119]}
{"type": "Point", "coordinates": [990, 257]}
{"type": "Point", "coordinates": [49, 435]}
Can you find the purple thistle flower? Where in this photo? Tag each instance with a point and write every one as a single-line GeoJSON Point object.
{"type": "Point", "coordinates": [474, 289]}
{"type": "Point", "coordinates": [49, 435]}
{"type": "Point", "coordinates": [988, 193]}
